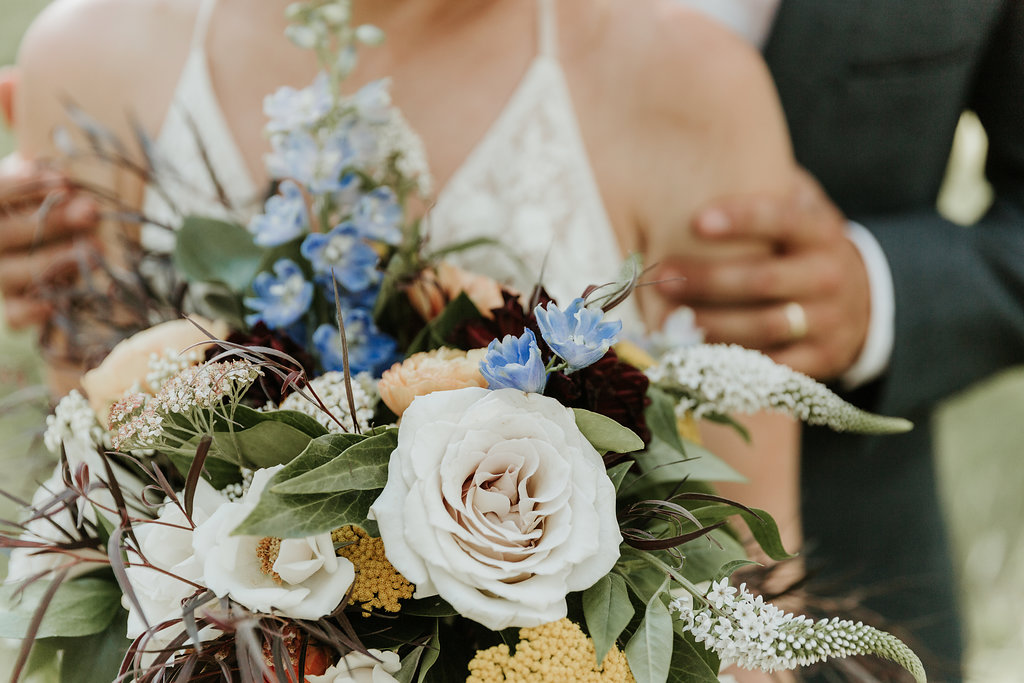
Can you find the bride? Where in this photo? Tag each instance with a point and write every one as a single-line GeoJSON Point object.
{"type": "Point", "coordinates": [587, 129]}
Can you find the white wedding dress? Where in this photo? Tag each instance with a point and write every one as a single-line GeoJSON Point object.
{"type": "Point", "coordinates": [527, 184]}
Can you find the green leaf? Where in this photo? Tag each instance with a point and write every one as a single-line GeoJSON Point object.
{"type": "Point", "coordinates": [438, 330]}
{"type": "Point", "coordinates": [705, 557]}
{"type": "Point", "coordinates": [644, 579]}
{"type": "Point", "coordinates": [662, 463]}
{"type": "Point", "coordinates": [264, 445]}
{"type": "Point", "coordinates": [95, 658]}
{"type": "Point", "coordinates": [618, 473]}
{"type": "Point", "coordinates": [80, 607]}
{"type": "Point", "coordinates": [299, 516]}
{"type": "Point", "coordinates": [607, 610]}
{"type": "Point", "coordinates": [691, 662]}
{"type": "Point", "coordinates": [293, 418]}
{"type": "Point", "coordinates": [761, 526]}
{"type": "Point", "coordinates": [649, 651]}
{"type": "Point", "coordinates": [409, 664]}
{"type": "Point", "coordinates": [431, 655]}
{"type": "Point", "coordinates": [209, 250]}
{"type": "Point", "coordinates": [428, 607]}
{"type": "Point", "coordinates": [661, 418]}
{"type": "Point", "coordinates": [605, 434]}
{"type": "Point", "coordinates": [361, 466]}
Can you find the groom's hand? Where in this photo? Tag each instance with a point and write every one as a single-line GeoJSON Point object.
{"type": "Point", "coordinates": [807, 303]}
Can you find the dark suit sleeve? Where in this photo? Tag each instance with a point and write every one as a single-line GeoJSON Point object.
{"type": "Point", "coordinates": [960, 291]}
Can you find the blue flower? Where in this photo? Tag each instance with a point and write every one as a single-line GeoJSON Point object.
{"type": "Point", "coordinates": [515, 363]}
{"type": "Point", "coordinates": [373, 101]}
{"type": "Point", "coordinates": [378, 216]}
{"type": "Point", "coordinates": [577, 334]}
{"type": "Point", "coordinates": [346, 253]}
{"type": "Point", "coordinates": [281, 300]}
{"type": "Point", "coordinates": [290, 109]}
{"type": "Point", "coordinates": [283, 218]}
{"type": "Point", "coordinates": [369, 349]}
{"type": "Point", "coordinates": [316, 162]}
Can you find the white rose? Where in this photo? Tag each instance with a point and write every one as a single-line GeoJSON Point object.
{"type": "Point", "coordinates": [356, 667]}
{"type": "Point", "coordinates": [307, 580]}
{"type": "Point", "coordinates": [167, 546]}
{"type": "Point", "coordinates": [496, 502]}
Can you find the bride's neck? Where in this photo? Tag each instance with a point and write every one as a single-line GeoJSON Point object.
{"type": "Point", "coordinates": [429, 14]}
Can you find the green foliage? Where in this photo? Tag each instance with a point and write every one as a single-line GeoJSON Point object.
{"type": "Point", "coordinates": [209, 250]}
{"type": "Point", "coordinates": [359, 467]}
{"type": "Point", "coordinates": [607, 610]}
{"type": "Point", "coordinates": [437, 332]}
{"type": "Point", "coordinates": [618, 472]}
{"type": "Point", "coordinates": [95, 658]}
{"type": "Point", "coordinates": [286, 515]}
{"type": "Point", "coordinates": [691, 662]}
{"type": "Point", "coordinates": [80, 607]}
{"type": "Point", "coordinates": [760, 523]}
{"type": "Point", "coordinates": [649, 651]}
{"type": "Point", "coordinates": [605, 434]}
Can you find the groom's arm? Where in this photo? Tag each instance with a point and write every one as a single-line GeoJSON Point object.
{"type": "Point", "coordinates": [958, 292]}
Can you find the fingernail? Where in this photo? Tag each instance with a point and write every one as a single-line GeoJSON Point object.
{"type": "Point", "coordinates": [714, 222]}
{"type": "Point", "coordinates": [81, 211]}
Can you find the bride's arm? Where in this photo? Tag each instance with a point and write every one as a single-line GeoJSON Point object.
{"type": "Point", "coordinates": [712, 126]}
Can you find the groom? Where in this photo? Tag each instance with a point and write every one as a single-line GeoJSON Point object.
{"type": "Point", "coordinates": [903, 314]}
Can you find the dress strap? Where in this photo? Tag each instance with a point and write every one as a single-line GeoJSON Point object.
{"type": "Point", "coordinates": [202, 26]}
{"type": "Point", "coordinates": [547, 28]}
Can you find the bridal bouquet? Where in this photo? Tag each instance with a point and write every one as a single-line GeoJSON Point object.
{"type": "Point", "coordinates": [371, 465]}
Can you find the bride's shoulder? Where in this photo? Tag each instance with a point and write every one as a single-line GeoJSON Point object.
{"type": "Point", "coordinates": [97, 53]}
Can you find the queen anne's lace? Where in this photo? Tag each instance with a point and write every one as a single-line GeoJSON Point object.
{"type": "Point", "coordinates": [744, 629]}
{"type": "Point", "coordinates": [330, 387]}
{"type": "Point", "coordinates": [73, 417]}
{"type": "Point", "coordinates": [727, 379]}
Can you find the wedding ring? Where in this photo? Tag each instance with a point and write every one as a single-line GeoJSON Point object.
{"type": "Point", "coordinates": [796, 316]}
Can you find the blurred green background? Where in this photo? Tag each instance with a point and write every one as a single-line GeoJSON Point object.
{"type": "Point", "coordinates": [979, 435]}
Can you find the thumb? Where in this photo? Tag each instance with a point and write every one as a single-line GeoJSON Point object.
{"type": "Point", "coordinates": [8, 86]}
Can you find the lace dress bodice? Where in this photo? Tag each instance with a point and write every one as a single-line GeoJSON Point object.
{"type": "Point", "coordinates": [527, 185]}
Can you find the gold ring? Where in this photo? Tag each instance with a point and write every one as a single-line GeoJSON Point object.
{"type": "Point", "coordinates": [796, 316]}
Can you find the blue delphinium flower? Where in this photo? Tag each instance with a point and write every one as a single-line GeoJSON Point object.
{"type": "Point", "coordinates": [378, 216]}
{"type": "Point", "coordinates": [281, 299]}
{"type": "Point", "coordinates": [345, 253]}
{"type": "Point", "coordinates": [291, 109]}
{"type": "Point", "coordinates": [515, 363]}
{"type": "Point", "coordinates": [369, 349]}
{"type": "Point", "coordinates": [283, 218]}
{"type": "Point", "coordinates": [373, 101]}
{"type": "Point", "coordinates": [316, 162]}
{"type": "Point", "coordinates": [577, 334]}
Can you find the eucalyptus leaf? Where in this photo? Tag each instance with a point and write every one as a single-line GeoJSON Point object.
{"type": "Point", "coordinates": [433, 607]}
{"type": "Point", "coordinates": [607, 610]}
{"type": "Point", "coordinates": [209, 250]}
{"type": "Point", "coordinates": [409, 664]}
{"type": "Point", "coordinates": [80, 607]}
{"type": "Point", "coordinates": [649, 651]}
{"type": "Point", "coordinates": [360, 466]}
{"type": "Point", "coordinates": [605, 434]}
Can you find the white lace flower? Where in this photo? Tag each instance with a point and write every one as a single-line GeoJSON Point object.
{"type": "Point", "coordinates": [496, 502]}
{"type": "Point", "coordinates": [745, 630]}
{"type": "Point", "coordinates": [330, 387]}
{"type": "Point", "coordinates": [73, 417]}
{"type": "Point", "coordinates": [301, 578]}
{"type": "Point", "coordinates": [729, 379]}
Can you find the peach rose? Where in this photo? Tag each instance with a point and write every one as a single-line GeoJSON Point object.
{"type": "Point", "coordinates": [436, 287]}
{"type": "Point", "coordinates": [128, 363]}
{"type": "Point", "coordinates": [427, 372]}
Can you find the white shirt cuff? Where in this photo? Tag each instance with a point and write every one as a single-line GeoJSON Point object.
{"type": "Point", "coordinates": [874, 357]}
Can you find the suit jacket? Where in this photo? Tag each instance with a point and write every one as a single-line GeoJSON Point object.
{"type": "Point", "coordinates": [872, 91]}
